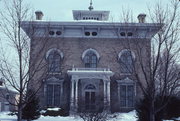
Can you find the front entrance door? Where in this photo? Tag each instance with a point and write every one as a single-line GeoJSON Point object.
{"type": "Point", "coordinates": [90, 97]}
{"type": "Point", "coordinates": [90, 100]}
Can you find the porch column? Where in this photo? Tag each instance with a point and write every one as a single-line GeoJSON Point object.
{"type": "Point", "coordinates": [108, 93]}
{"type": "Point", "coordinates": [76, 95]}
{"type": "Point", "coordinates": [72, 96]}
{"type": "Point", "coordinates": [105, 93]}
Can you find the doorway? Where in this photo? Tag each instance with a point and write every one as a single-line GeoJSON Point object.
{"type": "Point", "coordinates": [90, 98]}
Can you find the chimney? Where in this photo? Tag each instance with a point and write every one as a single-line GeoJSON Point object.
{"type": "Point", "coordinates": [39, 15]}
{"type": "Point", "coordinates": [141, 17]}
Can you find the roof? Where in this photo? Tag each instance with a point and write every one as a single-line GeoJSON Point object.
{"type": "Point", "coordinates": [103, 29]}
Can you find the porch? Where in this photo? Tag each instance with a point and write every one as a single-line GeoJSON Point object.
{"type": "Point", "coordinates": [89, 76]}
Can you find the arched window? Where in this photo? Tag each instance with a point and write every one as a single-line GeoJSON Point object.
{"type": "Point", "coordinates": [54, 57]}
{"type": "Point", "coordinates": [126, 60]}
{"type": "Point", "coordinates": [90, 58]}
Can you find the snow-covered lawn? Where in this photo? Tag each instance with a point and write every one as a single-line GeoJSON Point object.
{"type": "Point", "coordinates": [131, 116]}
{"type": "Point", "coordinates": [5, 117]}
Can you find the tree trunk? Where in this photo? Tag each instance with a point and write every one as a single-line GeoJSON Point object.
{"type": "Point", "coordinates": [20, 107]}
{"type": "Point", "coordinates": [152, 112]}
{"type": "Point", "coordinates": [19, 114]}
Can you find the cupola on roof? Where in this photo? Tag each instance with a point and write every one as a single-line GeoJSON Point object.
{"type": "Point", "coordinates": [91, 14]}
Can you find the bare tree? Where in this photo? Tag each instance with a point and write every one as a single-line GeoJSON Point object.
{"type": "Point", "coordinates": [15, 65]}
{"type": "Point", "coordinates": [157, 60]}
{"type": "Point", "coordinates": [126, 16]}
{"type": "Point", "coordinates": [161, 71]}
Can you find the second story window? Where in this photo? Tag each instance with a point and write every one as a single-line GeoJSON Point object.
{"type": "Point", "coordinates": [54, 58]}
{"type": "Point", "coordinates": [90, 58]}
{"type": "Point", "coordinates": [54, 62]}
{"type": "Point", "coordinates": [126, 60]}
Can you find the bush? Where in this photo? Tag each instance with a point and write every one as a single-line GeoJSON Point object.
{"type": "Point", "coordinates": [142, 109]}
{"type": "Point", "coordinates": [54, 112]}
{"type": "Point", "coordinates": [171, 109]}
{"type": "Point", "coordinates": [31, 109]}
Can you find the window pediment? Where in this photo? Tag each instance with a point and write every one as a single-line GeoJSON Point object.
{"type": "Point", "coordinates": [54, 80]}
{"type": "Point", "coordinates": [127, 80]}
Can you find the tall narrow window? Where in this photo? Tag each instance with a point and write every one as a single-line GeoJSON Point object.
{"type": "Point", "coordinates": [90, 60]}
{"type": "Point", "coordinates": [54, 62]}
{"type": "Point", "coordinates": [126, 95]}
{"type": "Point", "coordinates": [53, 95]}
{"type": "Point", "coordinates": [126, 61]}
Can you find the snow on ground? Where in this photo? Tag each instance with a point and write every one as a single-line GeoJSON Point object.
{"type": "Point", "coordinates": [131, 116]}
{"type": "Point", "coordinates": [53, 109]}
{"type": "Point", "coordinates": [59, 118]}
{"type": "Point", "coordinates": [177, 119]}
{"type": "Point", "coordinates": [5, 117]}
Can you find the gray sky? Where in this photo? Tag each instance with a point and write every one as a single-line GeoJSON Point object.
{"type": "Point", "coordinates": [61, 10]}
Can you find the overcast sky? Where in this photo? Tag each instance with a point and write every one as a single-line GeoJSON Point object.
{"type": "Point", "coordinates": [61, 10]}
